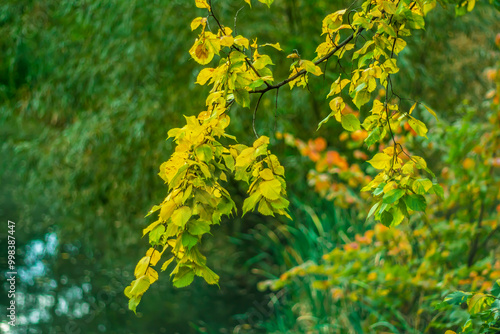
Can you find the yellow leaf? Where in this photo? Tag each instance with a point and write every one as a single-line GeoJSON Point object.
{"type": "Point", "coordinates": [293, 55]}
{"type": "Point", "coordinates": [390, 66]}
{"type": "Point", "coordinates": [254, 44]}
{"type": "Point", "coordinates": [408, 167]}
{"type": "Point", "coordinates": [201, 53]}
{"type": "Point", "coordinates": [249, 3]}
{"type": "Point", "coordinates": [337, 86]}
{"type": "Point", "coordinates": [418, 126]}
{"type": "Point", "coordinates": [310, 67]}
{"type": "Point", "coordinates": [431, 111]}
{"type": "Point", "coordinates": [227, 40]}
{"type": "Point", "coordinates": [263, 140]}
{"type": "Point", "coordinates": [337, 105]}
{"type": "Point", "coordinates": [389, 7]}
{"type": "Point", "coordinates": [166, 263]}
{"type": "Point", "coordinates": [477, 303]}
{"type": "Point", "coordinates": [209, 276]}
{"type": "Point", "coordinates": [389, 186]}
{"type": "Point", "coordinates": [202, 4]}
{"type": "Point", "coordinates": [262, 62]}
{"type": "Point", "coordinates": [150, 227]}
{"type": "Point", "coordinates": [275, 45]}
{"type": "Point", "coordinates": [141, 267]}
{"type": "Point", "coordinates": [245, 157]}
{"type": "Point", "coordinates": [140, 286]}
{"type": "Point", "coordinates": [197, 22]}
{"type": "Point", "coordinates": [412, 108]}
{"type": "Point", "coordinates": [204, 75]}
{"type": "Point", "coordinates": [166, 210]}
{"type": "Point", "coordinates": [267, 174]}
{"type": "Point", "coordinates": [212, 43]}
{"type": "Point", "coordinates": [380, 161]}
{"type": "Point", "coordinates": [241, 41]}
{"type": "Point", "coordinates": [265, 208]}
{"type": "Point", "coordinates": [420, 161]}
{"type": "Point", "coordinates": [155, 256]}
{"type": "Point", "coordinates": [270, 189]}
{"type": "Point", "coordinates": [152, 275]}
{"type": "Point", "coordinates": [267, 2]}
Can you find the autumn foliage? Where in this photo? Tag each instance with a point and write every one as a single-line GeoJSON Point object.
{"type": "Point", "coordinates": [373, 165]}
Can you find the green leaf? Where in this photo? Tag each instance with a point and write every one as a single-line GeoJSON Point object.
{"type": "Point", "coordinates": [204, 153]}
{"type": "Point", "coordinates": [416, 202]}
{"type": "Point", "coordinates": [457, 298]}
{"type": "Point", "coordinates": [438, 190]}
{"type": "Point", "coordinates": [495, 291]}
{"type": "Point", "coordinates": [397, 215]}
{"type": "Point", "coordinates": [250, 202]}
{"type": "Point", "coordinates": [422, 186]}
{"type": "Point", "coordinates": [350, 122]}
{"type": "Point", "coordinates": [199, 227]}
{"type": "Point", "coordinates": [155, 234]}
{"type": "Point", "coordinates": [229, 161]}
{"type": "Point", "coordinates": [184, 277]}
{"type": "Point", "coordinates": [242, 97]}
{"type": "Point", "coordinates": [325, 120]}
{"type": "Point", "coordinates": [361, 98]}
{"type": "Point", "coordinates": [496, 4]}
{"type": "Point", "coordinates": [379, 189]}
{"type": "Point", "coordinates": [386, 218]}
{"type": "Point", "coordinates": [373, 137]}
{"type": "Point", "coordinates": [181, 216]}
{"type": "Point", "coordinates": [134, 302]}
{"type": "Point", "coordinates": [373, 209]}
{"type": "Point", "coordinates": [188, 240]}
{"type": "Point", "coordinates": [393, 195]}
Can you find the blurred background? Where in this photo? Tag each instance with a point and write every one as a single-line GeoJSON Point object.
{"type": "Point", "coordinates": [88, 91]}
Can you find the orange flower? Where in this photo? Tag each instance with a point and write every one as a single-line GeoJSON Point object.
{"type": "Point", "coordinates": [359, 135]}
{"type": "Point", "coordinates": [319, 144]}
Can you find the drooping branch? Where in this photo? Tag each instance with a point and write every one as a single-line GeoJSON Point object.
{"type": "Point", "coordinates": [302, 72]}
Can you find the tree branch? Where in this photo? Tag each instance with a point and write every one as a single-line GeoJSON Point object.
{"type": "Point", "coordinates": [302, 72]}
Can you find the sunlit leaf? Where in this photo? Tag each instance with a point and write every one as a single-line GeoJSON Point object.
{"type": "Point", "coordinates": [350, 122]}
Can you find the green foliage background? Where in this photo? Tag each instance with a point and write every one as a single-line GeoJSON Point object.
{"type": "Point", "coordinates": [88, 91]}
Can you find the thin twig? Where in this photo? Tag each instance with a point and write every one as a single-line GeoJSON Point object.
{"type": "Point", "coordinates": [235, 17]}
{"type": "Point", "coordinates": [255, 114]}
{"type": "Point", "coordinates": [302, 72]}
